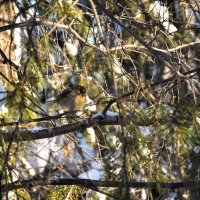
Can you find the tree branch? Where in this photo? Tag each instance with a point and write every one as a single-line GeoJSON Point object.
{"type": "Point", "coordinates": [48, 23]}
{"type": "Point", "coordinates": [160, 82]}
{"type": "Point", "coordinates": [89, 183]}
{"type": "Point", "coordinates": [6, 60]}
{"type": "Point", "coordinates": [26, 135]}
{"type": "Point", "coordinates": [136, 46]}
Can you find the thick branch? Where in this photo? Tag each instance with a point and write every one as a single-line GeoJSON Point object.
{"type": "Point", "coordinates": [26, 135]}
{"type": "Point", "coordinates": [88, 183]}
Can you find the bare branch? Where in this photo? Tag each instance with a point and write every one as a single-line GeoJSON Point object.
{"type": "Point", "coordinates": [89, 183]}
{"type": "Point", "coordinates": [26, 135]}
{"type": "Point", "coordinates": [6, 60]}
{"type": "Point", "coordinates": [135, 46]}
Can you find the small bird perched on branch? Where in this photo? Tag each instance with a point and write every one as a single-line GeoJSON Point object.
{"type": "Point", "coordinates": [72, 98]}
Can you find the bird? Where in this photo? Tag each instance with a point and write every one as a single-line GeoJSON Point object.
{"type": "Point", "coordinates": [72, 98]}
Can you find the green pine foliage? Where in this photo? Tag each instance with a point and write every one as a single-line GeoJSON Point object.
{"type": "Point", "coordinates": [155, 88]}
